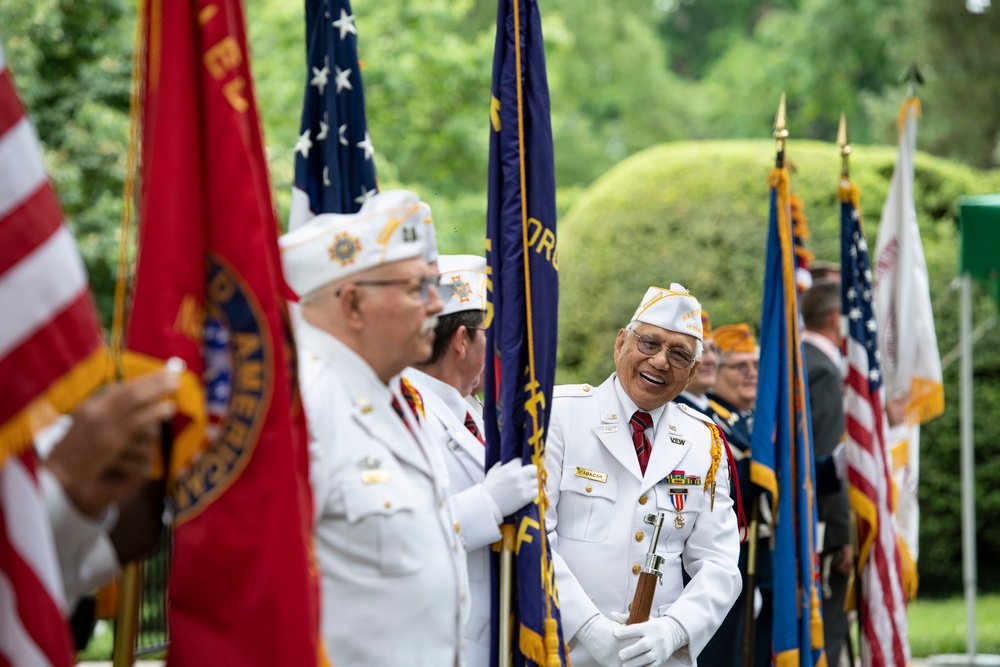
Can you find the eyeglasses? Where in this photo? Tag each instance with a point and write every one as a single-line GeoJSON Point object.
{"type": "Point", "coordinates": [743, 368]}
{"type": "Point", "coordinates": [676, 357]}
{"type": "Point", "coordinates": [424, 284]}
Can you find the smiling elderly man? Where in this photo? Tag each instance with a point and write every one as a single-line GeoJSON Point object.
{"type": "Point", "coordinates": [618, 452]}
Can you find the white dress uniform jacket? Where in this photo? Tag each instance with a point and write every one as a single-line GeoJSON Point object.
{"type": "Point", "coordinates": [394, 581]}
{"type": "Point", "coordinates": [599, 498]}
{"type": "Point", "coordinates": [478, 516]}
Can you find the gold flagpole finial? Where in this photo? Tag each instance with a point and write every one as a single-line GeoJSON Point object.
{"type": "Point", "coordinates": [780, 132]}
{"type": "Point", "coordinates": [780, 128]}
{"type": "Point", "coordinates": [845, 144]}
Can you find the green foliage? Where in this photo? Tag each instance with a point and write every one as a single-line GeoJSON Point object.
{"type": "Point", "coordinates": [72, 63]}
{"type": "Point", "coordinates": [696, 213]}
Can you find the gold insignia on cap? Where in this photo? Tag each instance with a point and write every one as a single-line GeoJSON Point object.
{"type": "Point", "coordinates": [345, 248]}
{"type": "Point", "coordinates": [460, 289]}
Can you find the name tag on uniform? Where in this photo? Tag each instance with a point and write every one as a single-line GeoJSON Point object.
{"type": "Point", "coordinates": [374, 476]}
{"type": "Point", "coordinates": [609, 429]}
{"type": "Point", "coordinates": [590, 474]}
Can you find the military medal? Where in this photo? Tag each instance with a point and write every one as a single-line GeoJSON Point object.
{"type": "Point", "coordinates": [677, 497]}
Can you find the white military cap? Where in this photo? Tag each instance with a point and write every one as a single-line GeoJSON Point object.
{"type": "Point", "coordinates": [673, 309]}
{"type": "Point", "coordinates": [391, 226]}
{"type": "Point", "coordinates": [463, 283]}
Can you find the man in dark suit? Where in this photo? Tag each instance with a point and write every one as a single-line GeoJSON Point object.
{"type": "Point", "coordinates": [824, 365]}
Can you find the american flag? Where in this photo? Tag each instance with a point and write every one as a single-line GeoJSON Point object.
{"type": "Point", "coordinates": [334, 156]}
{"type": "Point", "coordinates": [882, 605]}
{"type": "Point", "coordinates": [51, 356]}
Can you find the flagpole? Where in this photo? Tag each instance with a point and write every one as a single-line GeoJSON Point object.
{"type": "Point", "coordinates": [854, 588]}
{"type": "Point", "coordinates": [967, 470]}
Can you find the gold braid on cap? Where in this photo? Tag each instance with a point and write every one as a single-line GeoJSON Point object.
{"type": "Point", "coordinates": [716, 458]}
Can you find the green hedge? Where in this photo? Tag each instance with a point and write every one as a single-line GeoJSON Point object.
{"type": "Point", "coordinates": [696, 213]}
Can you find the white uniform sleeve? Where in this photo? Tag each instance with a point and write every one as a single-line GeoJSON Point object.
{"type": "Point", "coordinates": [86, 556]}
{"type": "Point", "coordinates": [575, 606]}
{"type": "Point", "coordinates": [477, 515]}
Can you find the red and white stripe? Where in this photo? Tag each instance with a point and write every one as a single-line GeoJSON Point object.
{"type": "Point", "coordinates": [883, 606]}
{"type": "Point", "coordinates": [47, 327]}
{"type": "Point", "coordinates": [32, 604]}
{"type": "Point", "coordinates": [44, 292]}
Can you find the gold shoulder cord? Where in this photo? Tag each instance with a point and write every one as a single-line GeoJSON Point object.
{"type": "Point", "coordinates": [716, 458]}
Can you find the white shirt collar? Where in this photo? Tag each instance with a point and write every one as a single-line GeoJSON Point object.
{"type": "Point", "coordinates": [447, 393]}
{"type": "Point", "coordinates": [824, 345]}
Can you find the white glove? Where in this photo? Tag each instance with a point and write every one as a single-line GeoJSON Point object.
{"type": "Point", "coordinates": [598, 636]}
{"type": "Point", "coordinates": [658, 639]}
{"type": "Point", "coordinates": [511, 485]}
{"type": "Point", "coordinates": [840, 460]}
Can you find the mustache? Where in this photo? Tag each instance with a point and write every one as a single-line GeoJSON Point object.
{"type": "Point", "coordinates": [429, 324]}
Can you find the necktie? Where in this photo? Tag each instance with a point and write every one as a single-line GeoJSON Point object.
{"type": "Point", "coordinates": [640, 422]}
{"type": "Point", "coordinates": [470, 424]}
{"type": "Point", "coordinates": [399, 411]}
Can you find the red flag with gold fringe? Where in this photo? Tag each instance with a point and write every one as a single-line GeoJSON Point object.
{"type": "Point", "coordinates": [208, 289]}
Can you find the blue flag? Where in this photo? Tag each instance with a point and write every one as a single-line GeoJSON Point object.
{"type": "Point", "coordinates": [782, 449]}
{"type": "Point", "coordinates": [334, 157]}
{"type": "Point", "coordinates": [523, 304]}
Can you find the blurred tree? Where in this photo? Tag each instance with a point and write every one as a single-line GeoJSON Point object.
{"type": "Point", "coordinates": [72, 63]}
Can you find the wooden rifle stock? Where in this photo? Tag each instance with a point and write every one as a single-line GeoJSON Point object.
{"type": "Point", "coordinates": [649, 576]}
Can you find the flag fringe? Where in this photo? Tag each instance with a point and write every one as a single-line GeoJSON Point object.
{"type": "Point", "coordinates": [867, 512]}
{"type": "Point", "coordinates": [17, 433]}
{"type": "Point", "coordinates": [926, 400]}
{"type": "Point", "coordinates": [190, 401]}
{"type": "Point", "coordinates": [537, 649]}
{"type": "Point", "coordinates": [908, 569]}
{"type": "Point", "coordinates": [788, 658]}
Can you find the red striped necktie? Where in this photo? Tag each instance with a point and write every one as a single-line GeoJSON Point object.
{"type": "Point", "coordinates": [640, 422]}
{"type": "Point", "coordinates": [470, 424]}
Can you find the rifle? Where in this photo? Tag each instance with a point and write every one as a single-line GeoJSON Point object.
{"type": "Point", "coordinates": [649, 576]}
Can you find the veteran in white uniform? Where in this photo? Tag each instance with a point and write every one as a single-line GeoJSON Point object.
{"type": "Point", "coordinates": [394, 581]}
{"type": "Point", "coordinates": [445, 381]}
{"type": "Point", "coordinates": [618, 452]}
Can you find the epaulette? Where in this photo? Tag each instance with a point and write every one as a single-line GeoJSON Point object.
{"type": "Point", "coordinates": [571, 390]}
{"type": "Point", "coordinates": [694, 413]}
{"type": "Point", "coordinates": [721, 411]}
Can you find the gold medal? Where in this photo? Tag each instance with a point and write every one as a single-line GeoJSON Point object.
{"type": "Point", "coordinates": [678, 520]}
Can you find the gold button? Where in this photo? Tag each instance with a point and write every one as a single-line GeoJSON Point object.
{"type": "Point", "coordinates": [388, 504]}
{"type": "Point", "coordinates": [457, 527]}
{"type": "Point", "coordinates": [639, 536]}
{"type": "Point", "coordinates": [643, 499]}
{"type": "Point", "coordinates": [636, 569]}
{"type": "Point", "coordinates": [630, 606]}
{"type": "Point", "coordinates": [589, 488]}
{"type": "Point", "coordinates": [586, 387]}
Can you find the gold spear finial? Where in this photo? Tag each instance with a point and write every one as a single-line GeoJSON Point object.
{"type": "Point", "coordinates": [845, 145]}
{"type": "Point", "coordinates": [780, 128]}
